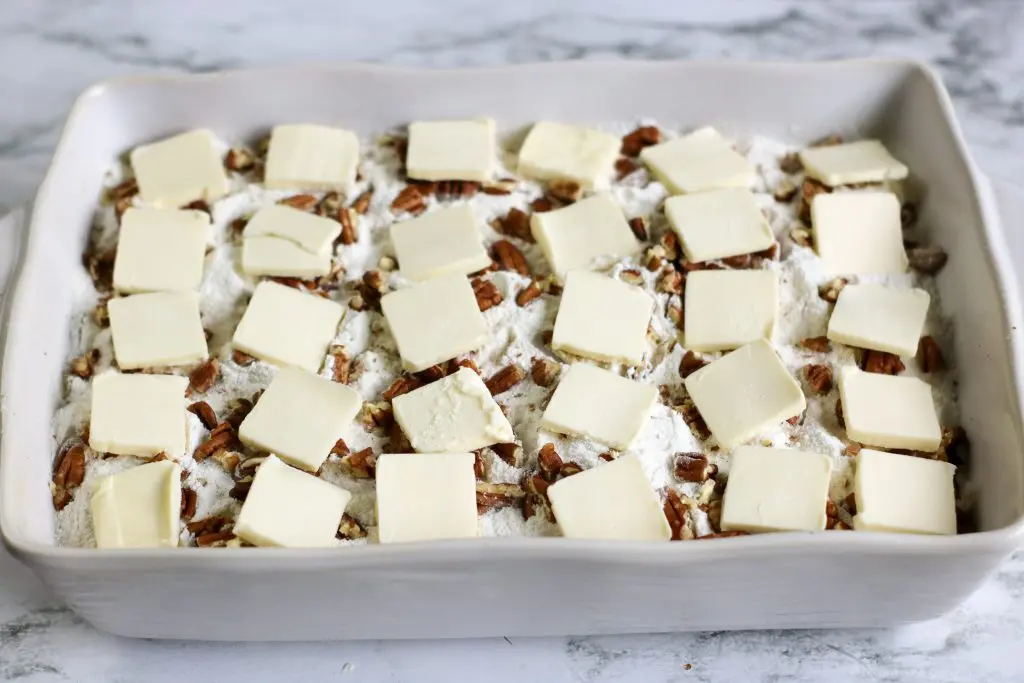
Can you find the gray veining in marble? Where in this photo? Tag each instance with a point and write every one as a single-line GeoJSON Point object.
{"type": "Point", "coordinates": [53, 49]}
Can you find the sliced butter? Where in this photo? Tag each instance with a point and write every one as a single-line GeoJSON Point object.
{"type": "Point", "coordinates": [700, 161]}
{"type": "Point", "coordinates": [138, 508]}
{"type": "Point", "coordinates": [451, 150]}
{"type": "Point", "coordinates": [438, 243]}
{"type": "Point", "coordinates": [559, 151]}
{"type": "Point", "coordinates": [776, 489]}
{"type": "Point", "coordinates": [858, 233]}
{"type": "Point", "coordinates": [725, 309]}
{"type": "Point", "coordinates": [871, 316]}
{"type": "Point", "coordinates": [904, 493]}
{"type": "Point", "coordinates": [602, 318]}
{"type": "Point", "coordinates": [276, 256]}
{"type": "Point", "coordinates": [138, 415]}
{"type": "Point", "coordinates": [425, 497]}
{"type": "Point", "coordinates": [887, 411]}
{"type": "Point", "coordinates": [577, 236]}
{"type": "Point", "coordinates": [863, 161]}
{"type": "Point", "coordinates": [179, 170]}
{"type": "Point", "coordinates": [157, 330]}
{"type": "Point", "coordinates": [160, 250]}
{"type": "Point", "coordinates": [312, 233]}
{"type": "Point", "coordinates": [718, 224]}
{"type": "Point", "coordinates": [311, 157]}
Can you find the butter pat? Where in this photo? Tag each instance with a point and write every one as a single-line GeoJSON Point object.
{"type": "Point", "coordinates": [157, 330]}
{"type": "Point", "coordinates": [598, 404]}
{"type": "Point", "coordinates": [871, 316]}
{"type": "Point", "coordinates": [576, 236]}
{"type": "Point", "coordinates": [887, 411]}
{"type": "Point", "coordinates": [602, 318]}
{"type": "Point", "coordinates": [300, 417]}
{"type": "Point", "coordinates": [558, 151]}
{"type": "Point", "coordinates": [744, 393]}
{"type": "Point", "coordinates": [611, 501]}
{"type": "Point", "coordinates": [435, 321]}
{"type": "Point", "coordinates": [179, 170]}
{"type": "Point", "coordinates": [310, 157]}
{"type": "Point", "coordinates": [453, 414]}
{"type": "Point", "coordinates": [700, 161]}
{"type": "Point", "coordinates": [138, 415]}
{"type": "Point", "coordinates": [904, 493]}
{"type": "Point", "coordinates": [725, 309]}
{"type": "Point", "coordinates": [312, 233]}
{"type": "Point", "coordinates": [138, 508]}
{"type": "Point", "coordinates": [425, 497]}
{"type": "Point", "coordinates": [438, 243]}
{"type": "Point", "coordinates": [160, 250]}
{"type": "Point", "coordinates": [283, 258]}
{"type": "Point", "coordinates": [864, 161]}
{"type": "Point", "coordinates": [776, 489]}
{"type": "Point", "coordinates": [858, 233]}
{"type": "Point", "coordinates": [451, 150]}
{"type": "Point", "coordinates": [287, 508]}
{"type": "Point", "coordinates": [718, 224]}
{"type": "Point", "coordinates": [287, 327]}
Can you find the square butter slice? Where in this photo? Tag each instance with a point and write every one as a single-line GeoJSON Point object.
{"type": "Point", "coordinates": [425, 497]}
{"type": "Point", "coordinates": [577, 236]}
{"type": "Point", "coordinates": [904, 493]}
{"type": "Point", "coordinates": [280, 257]}
{"type": "Point", "coordinates": [287, 508]}
{"type": "Point", "coordinates": [138, 508]}
{"type": "Point", "coordinates": [284, 326]}
{"type": "Point", "coordinates": [556, 151]}
{"type": "Point", "coordinates": [453, 414]}
{"type": "Point", "coordinates": [718, 224]}
{"type": "Point", "coordinates": [311, 233]}
{"type": "Point", "coordinates": [435, 321]}
{"type": "Point", "coordinates": [311, 157]}
{"type": "Point", "coordinates": [179, 170]}
{"type": "Point", "coordinates": [871, 316]}
{"type": "Point", "coordinates": [725, 309]}
{"type": "Point", "coordinates": [612, 501]}
{"type": "Point", "coordinates": [451, 150]}
{"type": "Point", "coordinates": [602, 318]}
{"type": "Point", "coordinates": [161, 250]}
{"type": "Point", "coordinates": [887, 411]}
{"type": "Point", "coordinates": [598, 404]}
{"type": "Point", "coordinates": [300, 417]}
{"type": "Point", "coordinates": [138, 415]}
{"type": "Point", "coordinates": [776, 489]}
{"type": "Point", "coordinates": [744, 393]}
{"type": "Point", "coordinates": [438, 243]}
{"type": "Point", "coordinates": [858, 233]}
{"type": "Point", "coordinates": [863, 161]}
{"type": "Point", "coordinates": [157, 330]}
{"type": "Point", "coordinates": [700, 161]}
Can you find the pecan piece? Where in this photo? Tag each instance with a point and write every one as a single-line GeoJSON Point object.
{"type": "Point", "coordinates": [509, 257]}
{"type": "Point", "coordinates": [882, 363]}
{"type": "Point", "coordinates": [675, 512]}
{"type": "Point", "coordinates": [928, 260]}
{"type": "Point", "coordinates": [503, 186]}
{"type": "Point", "coordinates": [511, 453]}
{"type": "Point", "coordinates": [340, 364]}
{"type": "Point", "coordinates": [101, 269]}
{"type": "Point", "coordinates": [831, 289]}
{"type": "Point", "coordinates": [402, 385]}
{"type": "Point", "coordinates": [693, 467]}
{"type": "Point", "coordinates": [644, 136]}
{"type": "Point", "coordinates": [625, 167]}
{"type": "Point", "coordinates": [690, 364]}
{"type": "Point", "coordinates": [410, 199]}
{"type": "Point", "coordinates": [549, 462]}
{"type": "Point", "coordinates": [638, 224]}
{"type": "Point", "coordinates": [241, 358]}
{"type": "Point", "coordinates": [239, 160]}
{"type": "Point", "coordinates": [189, 498]}
{"type": "Point", "coordinates": [693, 418]}
{"type": "Point", "coordinates": [361, 204]}
{"type": "Point", "coordinates": [801, 236]}
{"type": "Point", "coordinates": [671, 282]}
{"type": "Point", "coordinates": [222, 437]}
{"type": "Point", "coordinates": [569, 469]}
{"type": "Point", "coordinates": [487, 295]}
{"type": "Point", "coordinates": [205, 413]}
{"type": "Point", "coordinates": [495, 496]}
{"type": "Point", "coordinates": [819, 377]}
{"type": "Point", "coordinates": [542, 204]}
{"type": "Point", "coordinates": [123, 190]}
{"type": "Point", "coordinates": [816, 344]}
{"type": "Point", "coordinates": [347, 218]}
{"type": "Point", "coordinates": [515, 224]}
{"type": "Point", "coordinates": [361, 464]}
{"type": "Point", "coordinates": [69, 469]}
{"type": "Point", "coordinates": [202, 378]}
{"type": "Point", "coordinates": [528, 294]}
{"type": "Point", "coordinates": [240, 408]}
{"type": "Point", "coordinates": [302, 202]}
{"type": "Point", "coordinates": [377, 416]}
{"type": "Point", "coordinates": [808, 191]}
{"type": "Point", "coordinates": [228, 460]}
{"type": "Point", "coordinates": [504, 379]}
{"type": "Point", "coordinates": [350, 529]}
{"type": "Point", "coordinates": [83, 365]}
{"type": "Point", "coordinates": [929, 355]}
{"type": "Point", "coordinates": [544, 371]}
{"type": "Point", "coordinates": [738, 262]}
{"type": "Point", "coordinates": [632, 276]}
{"type": "Point", "coordinates": [565, 191]}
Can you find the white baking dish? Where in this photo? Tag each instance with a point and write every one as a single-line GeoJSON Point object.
{"type": "Point", "coordinates": [527, 586]}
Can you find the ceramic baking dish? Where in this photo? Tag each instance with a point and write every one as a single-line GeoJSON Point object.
{"type": "Point", "coordinates": [525, 586]}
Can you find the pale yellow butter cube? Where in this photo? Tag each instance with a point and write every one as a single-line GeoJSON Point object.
{"type": "Point", "coordinates": [776, 489]}
{"type": "Point", "coordinates": [451, 150]}
{"type": "Point", "coordinates": [700, 161]}
{"type": "Point", "coordinates": [580, 235]}
{"type": "Point", "coordinates": [858, 233]}
{"type": "Point", "coordinates": [312, 233]}
{"type": "Point", "coordinates": [559, 151]}
{"type": "Point", "coordinates": [161, 250]}
{"type": "Point", "coordinates": [425, 497]}
{"type": "Point", "coordinates": [863, 161]}
{"type": "Point", "coordinates": [439, 243]}
{"type": "Point", "coordinates": [718, 224]}
{"type": "Point", "coordinates": [887, 411]}
{"type": "Point", "coordinates": [725, 309]}
{"type": "Point", "coordinates": [311, 157]}
{"type": "Point", "coordinates": [138, 415]}
{"type": "Point", "coordinates": [871, 316]}
{"type": "Point", "coordinates": [157, 330]}
{"type": "Point", "coordinates": [904, 493]}
{"type": "Point", "coordinates": [179, 170]}
{"type": "Point", "coordinates": [138, 508]}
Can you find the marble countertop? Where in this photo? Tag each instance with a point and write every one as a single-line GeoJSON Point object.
{"type": "Point", "coordinates": [53, 49]}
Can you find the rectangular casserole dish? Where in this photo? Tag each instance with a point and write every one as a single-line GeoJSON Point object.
{"type": "Point", "coordinates": [524, 586]}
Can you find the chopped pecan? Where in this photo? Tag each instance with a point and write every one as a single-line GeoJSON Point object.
{"type": "Point", "coordinates": [122, 205]}
{"type": "Point", "coordinates": [361, 204]}
{"type": "Point", "coordinates": [528, 294]}
{"type": "Point", "coordinates": [237, 226]}
{"type": "Point", "coordinates": [347, 218]}
{"type": "Point", "coordinates": [653, 260]}
{"type": "Point", "coordinates": [690, 364]}
{"type": "Point", "coordinates": [222, 437]}
{"type": "Point", "coordinates": [509, 257]}
{"type": "Point", "coordinates": [819, 377]}
{"type": "Point", "coordinates": [340, 364]}
{"type": "Point", "coordinates": [632, 276]}
{"type": "Point", "coordinates": [123, 190]}
{"type": "Point", "coordinates": [796, 420]}
{"type": "Point", "coordinates": [503, 186]}
{"type": "Point", "coordinates": [197, 205]}
{"type": "Point", "coordinates": [671, 282]}
{"type": "Point", "coordinates": [542, 204]}
{"type": "Point", "coordinates": [487, 295]}
{"type": "Point", "coordinates": [644, 136]}
{"type": "Point", "coordinates": [339, 448]}
{"type": "Point", "coordinates": [544, 371]}
{"type": "Point", "coordinates": [638, 224]}
{"type": "Point", "coordinates": [494, 496]}
{"type": "Point", "coordinates": [479, 466]}
{"type": "Point", "coordinates": [607, 456]}
{"type": "Point", "coordinates": [565, 191]}
{"type": "Point", "coordinates": [693, 467]}
{"type": "Point", "coordinates": [375, 280]}
{"type": "Point", "coordinates": [209, 525]}
{"type": "Point", "coordinates": [852, 449]}
{"type": "Point", "coordinates": [302, 202]}
{"type": "Point", "coordinates": [505, 379]}
{"type": "Point", "coordinates": [329, 205]}
{"type": "Point", "coordinates": [790, 163]}
{"type": "Point", "coordinates": [515, 224]}
{"type": "Point", "coordinates": [882, 363]}
{"type": "Point", "coordinates": [808, 191]}
{"type": "Point", "coordinates": [831, 289]}
{"type": "Point", "coordinates": [100, 313]}
{"type": "Point", "coordinates": [929, 355]}
{"type": "Point", "coordinates": [216, 539]}
{"type": "Point", "coordinates": [693, 418]}
{"type": "Point", "coordinates": [240, 408]}
{"type": "Point", "coordinates": [549, 462]}
{"type": "Point", "coordinates": [410, 199]}
{"type": "Point", "coordinates": [536, 500]}
{"type": "Point", "coordinates": [361, 464]}
{"type": "Point", "coordinates": [377, 416]}
{"type": "Point", "coordinates": [101, 269]}
{"type": "Point", "coordinates": [239, 160]}
{"type": "Point", "coordinates": [188, 503]}
{"type": "Point", "coordinates": [69, 468]}
{"type": "Point", "coordinates": [738, 262]}
{"type": "Point", "coordinates": [770, 254]}
{"type": "Point", "coordinates": [801, 236]}
{"type": "Point", "coordinates": [452, 189]}
{"type": "Point", "coordinates": [511, 453]}
{"type": "Point", "coordinates": [466, 363]}
{"type": "Point", "coordinates": [676, 513]}
{"type": "Point", "coordinates": [434, 373]}
{"type": "Point", "coordinates": [83, 365]}
{"type": "Point", "coordinates": [202, 378]}
{"type": "Point", "coordinates": [205, 413]}
{"type": "Point", "coordinates": [928, 260]}
{"type": "Point", "coordinates": [350, 529]}
{"type": "Point", "coordinates": [402, 385]}
{"type": "Point", "coordinates": [816, 344]}
{"type": "Point", "coordinates": [568, 469]}
{"type": "Point", "coordinates": [625, 167]}
{"type": "Point", "coordinates": [670, 243]}
{"type": "Point", "coordinates": [228, 460]}
{"type": "Point", "coordinates": [839, 413]}
{"type": "Point", "coordinates": [242, 358]}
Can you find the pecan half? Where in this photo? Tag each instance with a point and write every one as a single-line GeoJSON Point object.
{"type": "Point", "coordinates": [565, 191]}
{"type": "Point", "coordinates": [625, 167]}
{"type": "Point", "coordinates": [487, 295]}
{"type": "Point", "coordinates": [644, 136]}
{"type": "Point", "coordinates": [410, 199]}
{"type": "Point", "coordinates": [377, 416]}
{"type": "Point", "coordinates": [205, 413]}
{"type": "Point", "coordinates": [402, 385]}
{"type": "Point", "coordinates": [670, 243]}
{"type": "Point", "coordinates": [361, 204]}
{"type": "Point", "coordinates": [340, 364]}
{"type": "Point", "coordinates": [511, 453]}
{"type": "Point", "coordinates": [819, 377]}
{"type": "Point", "coordinates": [929, 355]}
{"type": "Point", "coordinates": [347, 218]}
{"type": "Point", "coordinates": [816, 344]}
{"type": "Point", "coordinates": [928, 260]}
{"type": "Point", "coordinates": [693, 467]}
{"type": "Point", "coordinates": [505, 379]}
{"type": "Point", "coordinates": [693, 418]}
{"type": "Point", "coordinates": [302, 202]}
{"type": "Point", "coordinates": [549, 462]}
{"type": "Point", "coordinates": [528, 294]}
{"type": "Point", "coordinates": [202, 378]}
{"type": "Point", "coordinates": [675, 512]}
{"type": "Point", "coordinates": [495, 496]}
{"type": "Point", "coordinates": [228, 460]}
{"type": "Point", "coordinates": [515, 224]}
{"type": "Point", "coordinates": [690, 364]}
{"type": "Point", "coordinates": [222, 437]}
{"type": "Point", "coordinates": [479, 466]}
{"type": "Point", "coordinates": [542, 204]}
{"type": "Point", "coordinates": [544, 371]}
{"type": "Point", "coordinates": [882, 363]}
{"type": "Point", "coordinates": [361, 464]}
{"type": "Point", "coordinates": [189, 498]}
{"type": "Point", "coordinates": [240, 408]}
{"type": "Point", "coordinates": [69, 468]}
{"type": "Point", "coordinates": [638, 224]}
{"type": "Point", "coordinates": [808, 191]}
{"type": "Point", "coordinates": [509, 257]}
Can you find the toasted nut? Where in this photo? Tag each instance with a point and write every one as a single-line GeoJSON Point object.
{"type": "Point", "coordinates": [693, 418]}
{"type": "Point", "coordinates": [202, 378]}
{"type": "Point", "coordinates": [69, 468]}
{"type": "Point", "coordinates": [240, 408]}
{"type": "Point", "coordinates": [197, 205]}
{"type": "Point", "coordinates": [819, 377]}
{"type": "Point", "coordinates": [831, 289]}
{"type": "Point", "coordinates": [693, 467]}
{"type": "Point", "coordinates": [632, 276]}
{"type": "Point", "coordinates": [188, 503]}
{"type": "Point", "coordinates": [509, 257]}
{"type": "Point", "coordinates": [222, 437]}
{"type": "Point", "coordinates": [542, 204]}
{"type": "Point", "coordinates": [738, 262]}
{"type": "Point", "coordinates": [839, 413]}
{"type": "Point", "coordinates": [544, 371]}
{"type": "Point", "coordinates": [494, 496]}
{"type": "Point", "coordinates": [241, 358]}
{"type": "Point", "coordinates": [670, 243]}
{"type": "Point", "coordinates": [690, 363]}
{"type": "Point", "coordinates": [929, 355]}
{"type": "Point", "coordinates": [83, 365]}
{"type": "Point", "coordinates": [674, 312]}
{"type": "Point", "coordinates": [302, 202]}
{"type": "Point", "coordinates": [928, 260]}
{"type": "Point", "coordinates": [350, 529]}
{"type": "Point", "coordinates": [410, 199]}
{"type": "Point", "coordinates": [239, 160]}
{"type": "Point", "coordinates": [505, 379]}
{"type": "Point", "coordinates": [362, 203]}
{"type": "Point", "coordinates": [644, 136]}
{"type": "Point", "coordinates": [503, 186]}
{"type": "Point", "coordinates": [638, 224]}
{"type": "Point", "coordinates": [625, 167]}
{"type": "Point", "coordinates": [347, 218]}
{"type": "Point", "coordinates": [511, 453]}
{"type": "Point", "coordinates": [882, 363]}
{"type": "Point", "coordinates": [515, 224]}
{"type": "Point", "coordinates": [466, 363]}
{"type": "Point", "coordinates": [808, 191]}
{"type": "Point", "coordinates": [100, 314]}
{"type": "Point", "coordinates": [566, 191]}
{"type": "Point", "coordinates": [676, 512]}
{"type": "Point", "coordinates": [569, 469]}
{"type": "Point", "coordinates": [229, 460]}
{"type": "Point", "coordinates": [340, 364]}
{"type": "Point", "coordinates": [816, 344]}
{"type": "Point", "coordinates": [671, 282]}
{"type": "Point", "coordinates": [487, 295]}
{"type": "Point", "coordinates": [123, 190]}
{"type": "Point", "coordinates": [479, 466]}
{"type": "Point", "coordinates": [528, 294]}
{"type": "Point", "coordinates": [361, 464]}
{"type": "Point", "coordinates": [402, 385]}
{"type": "Point", "coordinates": [801, 236]}
{"type": "Point", "coordinates": [205, 413]}
{"type": "Point", "coordinates": [377, 416]}
{"type": "Point", "coordinates": [549, 462]}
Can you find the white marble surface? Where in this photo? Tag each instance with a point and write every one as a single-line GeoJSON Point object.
{"type": "Point", "coordinates": [52, 49]}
